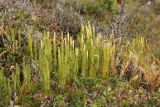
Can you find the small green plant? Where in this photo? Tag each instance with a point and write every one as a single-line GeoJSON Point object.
{"type": "Point", "coordinates": [45, 62]}
{"type": "Point", "coordinates": [4, 90]}
{"type": "Point", "coordinates": [16, 79]}
{"type": "Point", "coordinates": [27, 74]}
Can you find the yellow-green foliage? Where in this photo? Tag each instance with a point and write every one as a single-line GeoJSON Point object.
{"type": "Point", "coordinates": [5, 92]}
{"type": "Point", "coordinates": [68, 61]}
{"type": "Point", "coordinates": [93, 56]}
{"type": "Point", "coordinates": [17, 78]}
{"type": "Point", "coordinates": [138, 46]}
{"type": "Point", "coordinates": [45, 61]}
{"type": "Point", "coordinates": [26, 73]}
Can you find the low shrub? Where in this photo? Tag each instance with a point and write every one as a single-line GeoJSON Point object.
{"type": "Point", "coordinates": [100, 6]}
